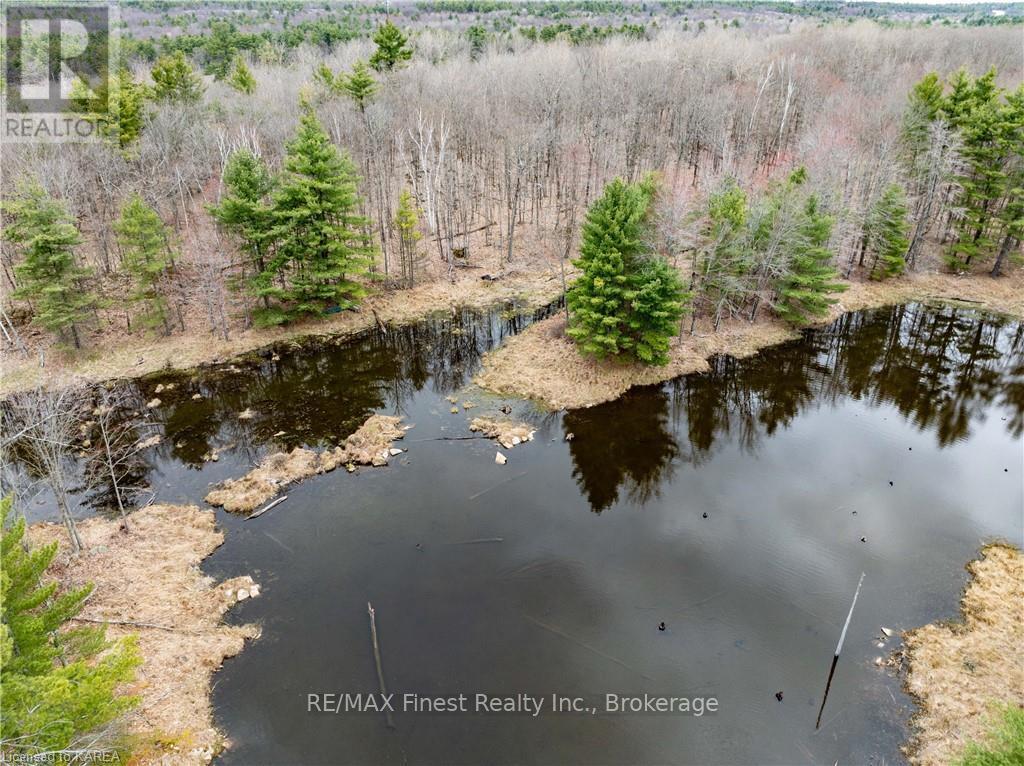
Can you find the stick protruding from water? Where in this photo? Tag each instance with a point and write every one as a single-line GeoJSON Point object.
{"type": "Point", "coordinates": [839, 649]}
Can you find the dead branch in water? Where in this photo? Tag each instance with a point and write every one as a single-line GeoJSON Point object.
{"type": "Point", "coordinates": [495, 486]}
{"type": "Point", "coordinates": [480, 540]}
{"type": "Point", "coordinates": [588, 647]}
{"type": "Point", "coordinates": [266, 508]}
{"type": "Point", "coordinates": [376, 658]}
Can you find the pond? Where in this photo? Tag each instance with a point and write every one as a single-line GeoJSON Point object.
{"type": "Point", "coordinates": [738, 507]}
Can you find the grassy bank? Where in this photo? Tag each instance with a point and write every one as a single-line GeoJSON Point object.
{"type": "Point", "coordinates": [962, 673]}
{"type": "Point", "coordinates": [147, 582]}
{"type": "Point", "coordinates": [544, 365]}
{"type": "Point", "coordinates": [119, 356]}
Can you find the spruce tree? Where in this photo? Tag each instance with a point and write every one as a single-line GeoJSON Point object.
{"type": "Point", "coordinates": [886, 231]}
{"type": "Point", "coordinates": [803, 293]}
{"type": "Point", "coordinates": [146, 256]}
{"type": "Point", "coordinates": [360, 85]}
{"type": "Point", "coordinates": [58, 682]}
{"type": "Point", "coordinates": [48, 275]}
{"type": "Point", "coordinates": [627, 300]}
{"type": "Point", "coordinates": [241, 78]}
{"type": "Point", "coordinates": [245, 212]}
{"type": "Point", "coordinates": [176, 80]}
{"type": "Point", "coordinates": [392, 48]}
{"type": "Point", "coordinates": [320, 240]}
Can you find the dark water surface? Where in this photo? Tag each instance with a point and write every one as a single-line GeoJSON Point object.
{"type": "Point", "coordinates": [902, 426]}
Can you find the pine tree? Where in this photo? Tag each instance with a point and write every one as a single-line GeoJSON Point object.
{"type": "Point", "coordinates": [392, 48]}
{"type": "Point", "coordinates": [245, 212]}
{"type": "Point", "coordinates": [121, 119]}
{"type": "Point", "coordinates": [803, 292]}
{"type": "Point", "coordinates": [221, 48]}
{"type": "Point", "coordinates": [146, 256]}
{"type": "Point", "coordinates": [477, 37]}
{"type": "Point", "coordinates": [360, 85]}
{"type": "Point", "coordinates": [176, 80]}
{"type": "Point", "coordinates": [326, 80]}
{"type": "Point", "coordinates": [241, 78]}
{"type": "Point", "coordinates": [725, 257]}
{"type": "Point", "coordinates": [886, 232]}
{"type": "Point", "coordinates": [627, 300]}
{"type": "Point", "coordinates": [1011, 216]}
{"type": "Point", "coordinates": [48, 276]}
{"type": "Point", "coordinates": [58, 683]}
{"type": "Point", "coordinates": [321, 241]}
{"type": "Point", "coordinates": [974, 109]}
{"type": "Point", "coordinates": [407, 224]}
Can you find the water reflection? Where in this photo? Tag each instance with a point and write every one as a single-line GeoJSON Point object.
{"type": "Point", "coordinates": [941, 368]}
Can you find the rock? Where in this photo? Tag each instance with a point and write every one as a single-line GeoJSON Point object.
{"type": "Point", "coordinates": [879, 661]}
{"type": "Point", "coordinates": [246, 414]}
{"type": "Point", "coordinates": [468, 405]}
{"type": "Point", "coordinates": [243, 594]}
{"type": "Point", "coordinates": [886, 632]}
{"type": "Point", "coordinates": [454, 410]}
{"type": "Point", "coordinates": [159, 388]}
{"type": "Point", "coordinates": [395, 451]}
{"type": "Point", "coordinates": [280, 433]}
{"type": "Point", "coordinates": [570, 436]}
{"type": "Point", "coordinates": [228, 593]}
{"type": "Point", "coordinates": [254, 590]}
{"type": "Point", "coordinates": [516, 440]}
{"type": "Point", "coordinates": [197, 397]}
{"type": "Point", "coordinates": [154, 402]}
{"type": "Point", "coordinates": [500, 459]}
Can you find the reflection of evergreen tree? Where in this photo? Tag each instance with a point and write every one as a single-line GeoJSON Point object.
{"type": "Point", "coordinates": [622, 443]}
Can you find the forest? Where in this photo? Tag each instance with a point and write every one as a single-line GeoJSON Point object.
{"type": "Point", "coordinates": [344, 210]}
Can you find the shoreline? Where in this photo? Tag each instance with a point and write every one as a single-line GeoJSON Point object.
{"type": "Point", "coordinates": [957, 669]}
{"type": "Point", "coordinates": [143, 356]}
{"type": "Point", "coordinates": [148, 583]}
{"type": "Point", "coordinates": [541, 364]}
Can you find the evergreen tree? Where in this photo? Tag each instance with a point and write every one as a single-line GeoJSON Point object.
{"type": "Point", "coordinates": [243, 210]}
{"type": "Point", "coordinates": [627, 300]}
{"type": "Point", "coordinates": [121, 119]}
{"type": "Point", "coordinates": [886, 230]}
{"type": "Point", "coordinates": [477, 37]}
{"type": "Point", "coordinates": [726, 256]}
{"type": "Point", "coordinates": [221, 48]}
{"type": "Point", "coordinates": [176, 80]}
{"type": "Point", "coordinates": [392, 48]}
{"type": "Point", "coordinates": [326, 80]}
{"type": "Point", "coordinates": [803, 292]}
{"type": "Point", "coordinates": [1011, 216]}
{"type": "Point", "coordinates": [407, 224]}
{"type": "Point", "coordinates": [241, 78]}
{"type": "Point", "coordinates": [974, 108]}
{"type": "Point", "coordinates": [58, 683]}
{"type": "Point", "coordinates": [48, 276]}
{"type": "Point", "coordinates": [320, 239]}
{"type": "Point", "coordinates": [925, 105]}
{"type": "Point", "coordinates": [360, 85]}
{"type": "Point", "coordinates": [144, 245]}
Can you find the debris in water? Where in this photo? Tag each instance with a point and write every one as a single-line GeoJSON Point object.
{"type": "Point", "coordinates": [507, 433]}
{"type": "Point", "coordinates": [454, 410]}
{"type": "Point", "coordinates": [500, 459]}
{"type": "Point", "coordinates": [879, 661]}
{"type": "Point", "coordinates": [468, 405]}
{"type": "Point", "coordinates": [704, 515]}
{"type": "Point", "coordinates": [886, 632]}
{"type": "Point", "coordinates": [890, 484]}
{"type": "Point", "coordinates": [661, 626]}
{"type": "Point", "coordinates": [778, 696]}
{"type": "Point", "coordinates": [863, 539]}
{"type": "Point", "coordinates": [570, 436]}
{"type": "Point", "coordinates": [506, 409]}
{"type": "Point", "coordinates": [839, 649]}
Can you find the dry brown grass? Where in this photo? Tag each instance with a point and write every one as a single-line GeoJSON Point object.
{"type": "Point", "coordinates": [957, 671]}
{"type": "Point", "coordinates": [543, 364]}
{"type": "Point", "coordinates": [369, 445]}
{"type": "Point", "coordinates": [150, 574]}
{"type": "Point", "coordinates": [115, 355]}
